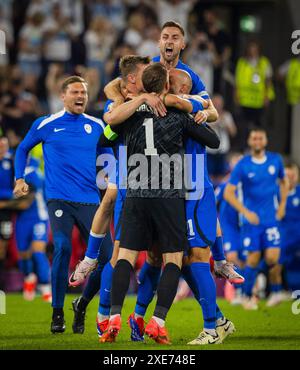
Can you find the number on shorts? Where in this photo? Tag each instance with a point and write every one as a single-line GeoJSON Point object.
{"type": "Point", "coordinates": [191, 227]}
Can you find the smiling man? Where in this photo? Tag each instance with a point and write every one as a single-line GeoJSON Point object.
{"type": "Point", "coordinates": [70, 142]}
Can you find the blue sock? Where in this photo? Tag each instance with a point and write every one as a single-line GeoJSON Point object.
{"type": "Point", "coordinates": [275, 288]}
{"type": "Point", "coordinates": [94, 245]}
{"type": "Point", "coordinates": [189, 278]}
{"type": "Point", "coordinates": [106, 279]}
{"type": "Point", "coordinates": [263, 267]}
{"type": "Point", "coordinates": [250, 274]}
{"type": "Point", "coordinates": [42, 267]}
{"type": "Point", "coordinates": [60, 268]}
{"type": "Point", "coordinates": [94, 281]}
{"type": "Point", "coordinates": [219, 314]}
{"type": "Point", "coordinates": [217, 249]}
{"type": "Point", "coordinates": [148, 281]}
{"type": "Point", "coordinates": [26, 266]}
{"type": "Point", "coordinates": [207, 289]}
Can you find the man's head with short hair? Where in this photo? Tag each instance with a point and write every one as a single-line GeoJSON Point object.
{"type": "Point", "coordinates": [131, 68]}
{"type": "Point", "coordinates": [180, 82]}
{"type": "Point", "coordinates": [257, 139]}
{"type": "Point", "coordinates": [155, 78]}
{"type": "Point", "coordinates": [171, 41]}
{"type": "Point", "coordinates": [74, 94]}
{"type": "Point", "coordinates": [292, 173]}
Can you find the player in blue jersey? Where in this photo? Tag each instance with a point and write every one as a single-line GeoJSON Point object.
{"type": "Point", "coordinates": [32, 237]}
{"type": "Point", "coordinates": [6, 192]}
{"type": "Point", "coordinates": [231, 229]}
{"type": "Point", "coordinates": [289, 228]}
{"type": "Point", "coordinates": [259, 174]}
{"type": "Point", "coordinates": [70, 138]}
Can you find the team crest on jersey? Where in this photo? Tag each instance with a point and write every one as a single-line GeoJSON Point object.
{"type": "Point", "coordinates": [59, 213]}
{"type": "Point", "coordinates": [272, 170]}
{"type": "Point", "coordinates": [88, 128]}
{"type": "Point", "coordinates": [246, 242]}
{"type": "Point", "coordinates": [296, 202]}
{"type": "Point", "coordinates": [6, 165]}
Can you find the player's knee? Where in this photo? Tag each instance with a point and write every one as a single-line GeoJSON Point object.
{"type": "Point", "coordinates": [199, 255]}
{"type": "Point", "coordinates": [173, 258]}
{"type": "Point", "coordinates": [154, 259]}
{"type": "Point", "coordinates": [38, 247]}
{"type": "Point", "coordinates": [24, 255]}
{"type": "Point", "coordinates": [232, 257]}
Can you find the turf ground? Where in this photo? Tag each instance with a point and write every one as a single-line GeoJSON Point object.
{"type": "Point", "coordinates": [26, 326]}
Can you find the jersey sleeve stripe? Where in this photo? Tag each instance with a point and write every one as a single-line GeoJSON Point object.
{"type": "Point", "coordinates": [97, 120]}
{"type": "Point", "coordinates": [51, 118]}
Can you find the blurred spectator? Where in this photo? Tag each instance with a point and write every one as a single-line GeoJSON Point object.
{"type": "Point", "coordinates": [200, 56]}
{"type": "Point", "coordinates": [289, 73]}
{"type": "Point", "coordinates": [176, 10]}
{"type": "Point", "coordinates": [226, 129]}
{"type": "Point", "coordinates": [149, 45]}
{"type": "Point", "coordinates": [54, 79]}
{"type": "Point", "coordinates": [114, 10]}
{"type": "Point", "coordinates": [59, 32]}
{"type": "Point", "coordinates": [112, 66]}
{"type": "Point", "coordinates": [6, 26]}
{"type": "Point", "coordinates": [30, 49]}
{"type": "Point", "coordinates": [254, 89]}
{"type": "Point", "coordinates": [221, 41]}
{"type": "Point", "coordinates": [99, 39]}
{"type": "Point", "coordinates": [134, 33]}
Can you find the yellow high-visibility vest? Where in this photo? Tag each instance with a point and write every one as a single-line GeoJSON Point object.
{"type": "Point", "coordinates": [37, 152]}
{"type": "Point", "coordinates": [251, 83]}
{"type": "Point", "coordinates": [292, 82]}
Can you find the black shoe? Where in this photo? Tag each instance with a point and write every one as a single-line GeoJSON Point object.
{"type": "Point", "coordinates": [79, 317]}
{"type": "Point", "coordinates": [58, 324]}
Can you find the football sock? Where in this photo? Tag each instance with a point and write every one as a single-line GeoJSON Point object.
{"type": "Point", "coordinates": [275, 288]}
{"type": "Point", "coordinates": [188, 276]}
{"type": "Point", "coordinates": [159, 321]}
{"type": "Point", "coordinates": [167, 289]}
{"type": "Point", "coordinates": [250, 274]}
{"type": "Point", "coordinates": [207, 290]}
{"type": "Point", "coordinates": [217, 249]}
{"type": "Point", "coordinates": [42, 267]}
{"type": "Point", "coordinates": [94, 244]}
{"type": "Point", "coordinates": [219, 314]}
{"type": "Point", "coordinates": [105, 288]}
{"type": "Point", "coordinates": [148, 280]}
{"type": "Point", "coordinates": [82, 304]}
{"type": "Point", "coordinates": [93, 285]}
{"type": "Point", "coordinates": [57, 312]}
{"type": "Point", "coordinates": [212, 332]}
{"type": "Point", "coordinates": [120, 285]}
{"type": "Point", "coordinates": [26, 266]}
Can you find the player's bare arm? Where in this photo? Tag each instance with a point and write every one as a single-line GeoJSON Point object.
{"type": "Point", "coordinates": [209, 114]}
{"type": "Point", "coordinates": [177, 102]}
{"type": "Point", "coordinates": [284, 190]}
{"type": "Point", "coordinates": [230, 197]}
{"type": "Point", "coordinates": [113, 91]}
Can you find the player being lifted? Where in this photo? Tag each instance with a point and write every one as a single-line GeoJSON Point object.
{"type": "Point", "coordinates": [259, 173]}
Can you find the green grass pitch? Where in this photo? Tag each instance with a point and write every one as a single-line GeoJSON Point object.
{"type": "Point", "coordinates": [26, 326]}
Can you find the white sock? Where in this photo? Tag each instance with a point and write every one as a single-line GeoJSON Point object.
{"type": "Point", "coordinates": [211, 332]}
{"type": "Point", "coordinates": [159, 321]}
{"type": "Point", "coordinates": [113, 316]}
{"type": "Point", "coordinates": [221, 321]}
{"type": "Point", "coordinates": [102, 317]}
{"type": "Point", "coordinates": [220, 263]}
{"type": "Point", "coordinates": [89, 260]}
{"type": "Point", "coordinates": [136, 316]}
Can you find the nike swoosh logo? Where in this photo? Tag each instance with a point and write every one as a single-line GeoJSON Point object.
{"type": "Point", "coordinates": [58, 129]}
{"type": "Point", "coordinates": [108, 291]}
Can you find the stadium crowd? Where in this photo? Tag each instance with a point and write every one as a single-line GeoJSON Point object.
{"type": "Point", "coordinates": [49, 40]}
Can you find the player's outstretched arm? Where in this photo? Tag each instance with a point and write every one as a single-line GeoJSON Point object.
{"type": "Point", "coordinates": [231, 198]}
{"type": "Point", "coordinates": [113, 91]}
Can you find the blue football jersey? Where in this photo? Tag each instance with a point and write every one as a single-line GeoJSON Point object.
{"type": "Point", "coordinates": [6, 176]}
{"type": "Point", "coordinates": [259, 183]}
{"type": "Point", "coordinates": [227, 213]}
{"type": "Point", "coordinates": [70, 150]}
{"type": "Point", "coordinates": [290, 223]}
{"type": "Point", "coordinates": [34, 178]}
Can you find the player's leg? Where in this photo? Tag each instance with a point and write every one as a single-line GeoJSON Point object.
{"type": "Point", "coordinates": [62, 221]}
{"type": "Point", "coordinates": [222, 267]}
{"type": "Point", "coordinates": [100, 227]}
{"type": "Point", "coordinates": [40, 259]}
{"type": "Point", "coordinates": [6, 229]}
{"type": "Point", "coordinates": [23, 238]}
{"type": "Point", "coordinates": [120, 285]}
{"type": "Point", "coordinates": [272, 256]}
{"type": "Point", "coordinates": [148, 279]}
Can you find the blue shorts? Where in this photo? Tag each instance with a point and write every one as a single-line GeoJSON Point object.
{"type": "Point", "coordinates": [232, 240]}
{"type": "Point", "coordinates": [260, 237]}
{"type": "Point", "coordinates": [201, 218]}
{"type": "Point", "coordinates": [118, 212]}
{"type": "Point", "coordinates": [28, 231]}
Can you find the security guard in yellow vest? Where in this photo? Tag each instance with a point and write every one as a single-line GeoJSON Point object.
{"type": "Point", "coordinates": [254, 87]}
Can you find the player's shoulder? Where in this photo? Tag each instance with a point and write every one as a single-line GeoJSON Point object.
{"type": "Point", "coordinates": [298, 189]}
{"type": "Point", "coordinates": [94, 120]}
{"type": "Point", "coordinates": [44, 121]}
{"type": "Point", "coordinates": [274, 156]}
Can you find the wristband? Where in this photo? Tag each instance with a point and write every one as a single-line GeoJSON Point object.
{"type": "Point", "coordinates": [110, 134]}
